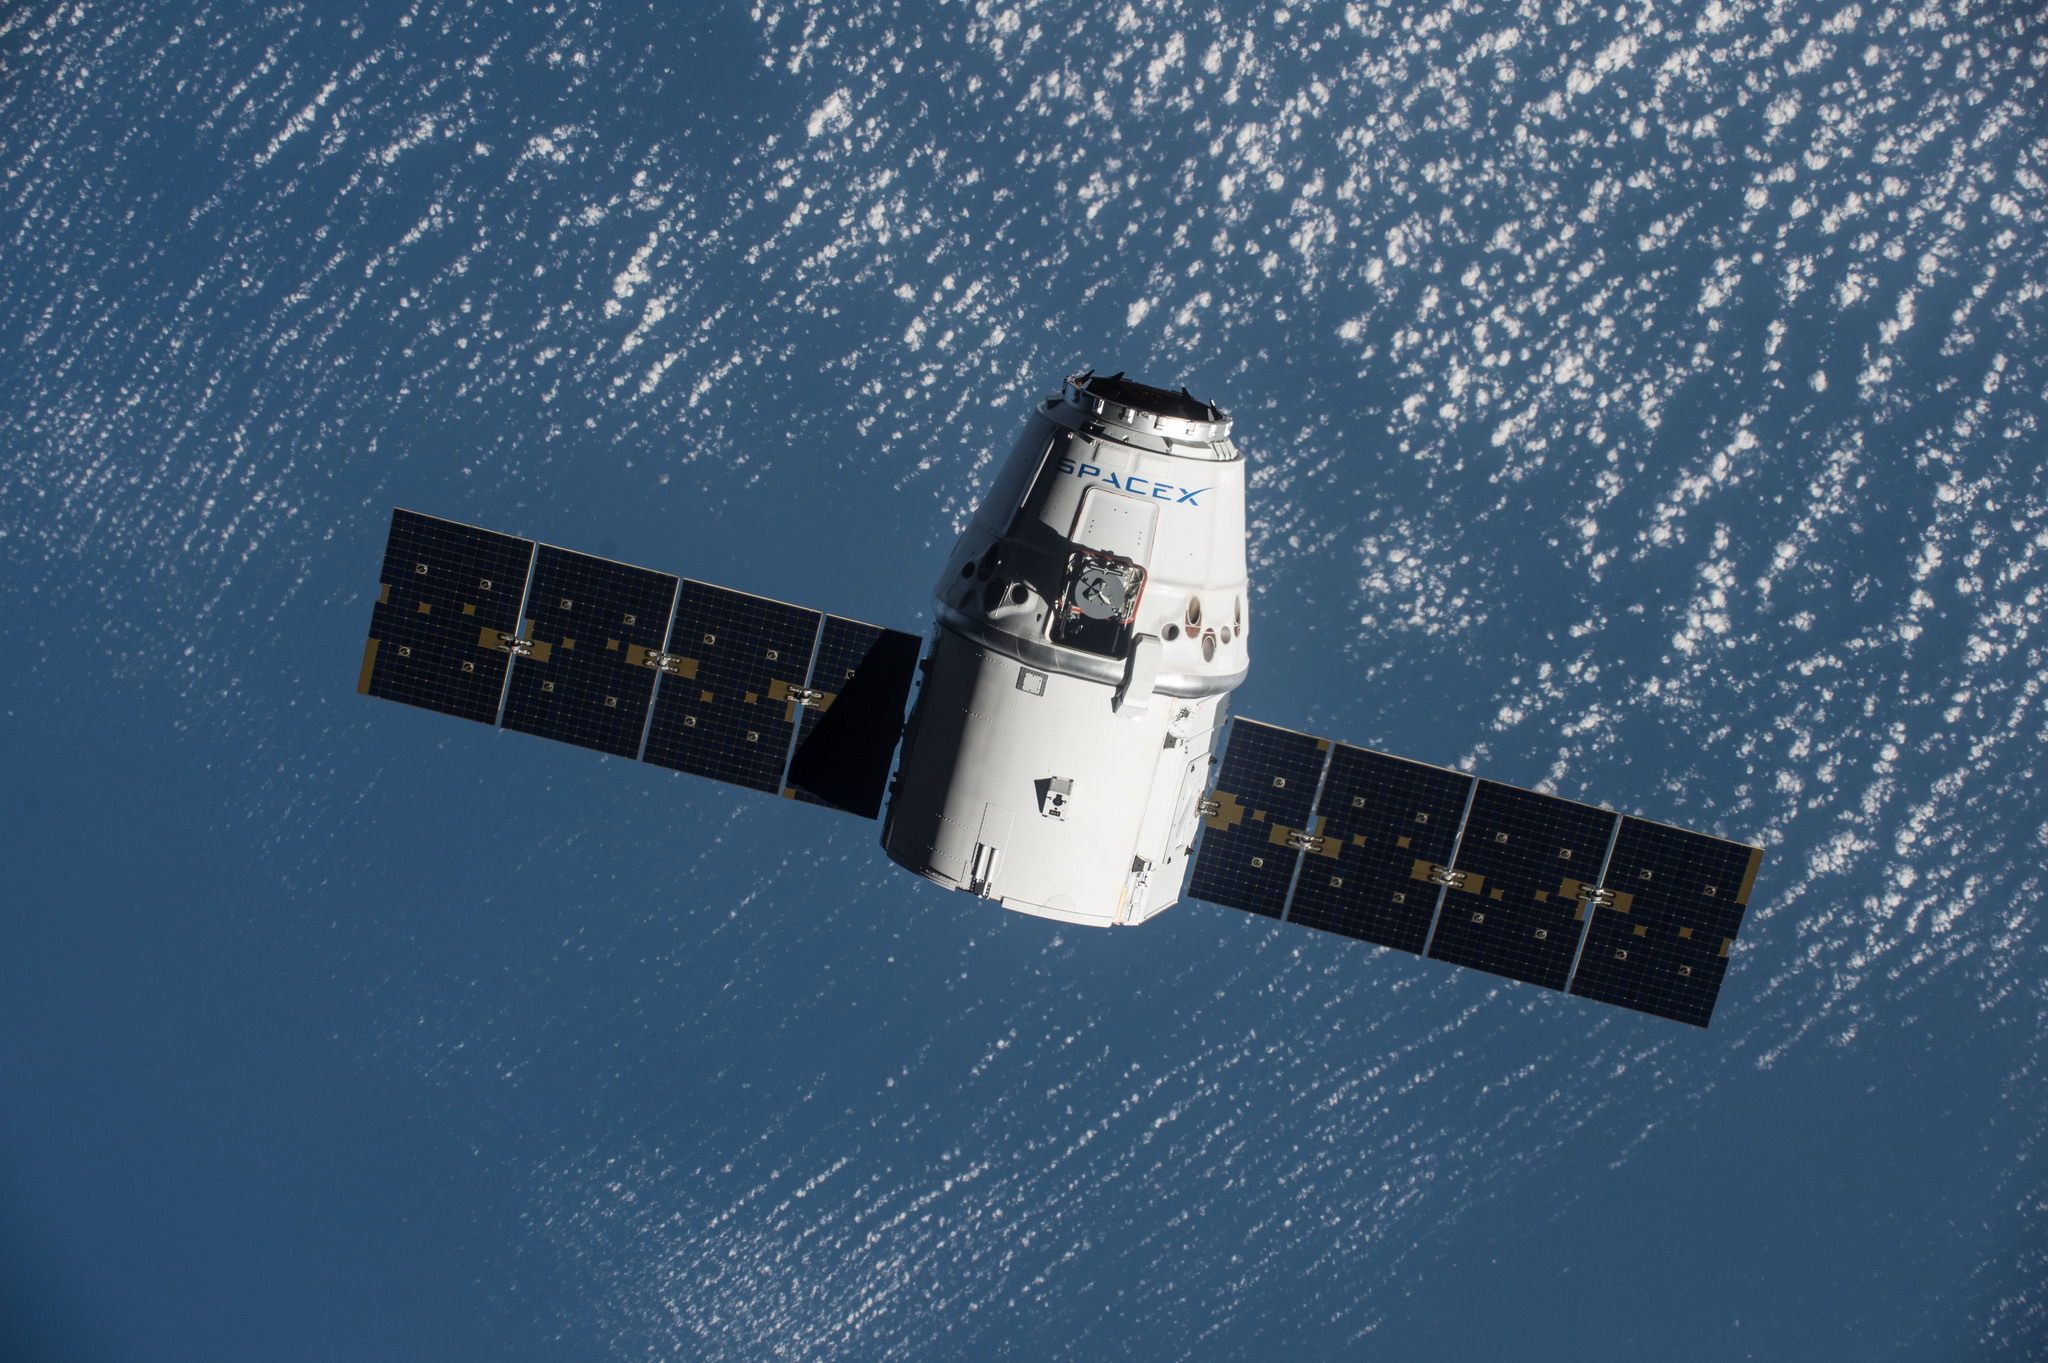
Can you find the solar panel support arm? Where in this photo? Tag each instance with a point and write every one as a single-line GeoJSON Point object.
{"type": "Point", "coordinates": [518, 624]}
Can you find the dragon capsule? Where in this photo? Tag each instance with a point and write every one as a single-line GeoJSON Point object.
{"type": "Point", "coordinates": [1090, 626]}
{"type": "Point", "coordinates": [1091, 623]}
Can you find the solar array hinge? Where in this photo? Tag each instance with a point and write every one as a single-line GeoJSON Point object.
{"type": "Point", "coordinates": [808, 698]}
{"type": "Point", "coordinates": [1597, 899]}
{"type": "Point", "coordinates": [1301, 841]}
{"type": "Point", "coordinates": [671, 663]}
{"type": "Point", "coordinates": [516, 646]}
{"type": "Point", "coordinates": [1443, 875]}
{"type": "Point", "coordinates": [1211, 808]}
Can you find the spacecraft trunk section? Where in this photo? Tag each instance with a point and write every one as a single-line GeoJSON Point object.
{"type": "Point", "coordinates": [1090, 625]}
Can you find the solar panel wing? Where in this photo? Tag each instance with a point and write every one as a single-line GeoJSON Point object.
{"type": "Point", "coordinates": [1512, 907]}
{"type": "Point", "coordinates": [1670, 906]}
{"type": "Point", "coordinates": [1385, 825]}
{"type": "Point", "coordinates": [853, 716]}
{"type": "Point", "coordinates": [448, 600]}
{"type": "Point", "coordinates": [583, 676]}
{"type": "Point", "coordinates": [1256, 820]}
{"type": "Point", "coordinates": [725, 708]}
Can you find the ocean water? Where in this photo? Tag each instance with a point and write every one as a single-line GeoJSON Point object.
{"type": "Point", "coordinates": [1645, 403]}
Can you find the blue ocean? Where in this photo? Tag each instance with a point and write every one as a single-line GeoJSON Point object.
{"type": "Point", "coordinates": [1644, 403]}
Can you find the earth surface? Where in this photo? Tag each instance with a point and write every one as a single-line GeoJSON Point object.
{"type": "Point", "coordinates": [1644, 403]}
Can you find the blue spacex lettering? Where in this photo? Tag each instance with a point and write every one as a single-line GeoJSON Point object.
{"type": "Point", "coordinates": [1132, 483]}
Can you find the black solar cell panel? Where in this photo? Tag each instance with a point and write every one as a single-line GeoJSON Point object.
{"type": "Point", "coordinates": [1512, 907]}
{"type": "Point", "coordinates": [1385, 823]}
{"type": "Point", "coordinates": [1669, 910]}
{"type": "Point", "coordinates": [1257, 817]}
{"type": "Point", "coordinates": [724, 708]}
{"type": "Point", "coordinates": [584, 678]}
{"type": "Point", "coordinates": [448, 599]}
{"type": "Point", "coordinates": [846, 741]}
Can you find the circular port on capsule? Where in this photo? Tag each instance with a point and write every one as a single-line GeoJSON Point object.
{"type": "Point", "coordinates": [1194, 611]}
{"type": "Point", "coordinates": [1170, 633]}
{"type": "Point", "coordinates": [1208, 646]}
{"type": "Point", "coordinates": [1019, 594]}
{"type": "Point", "coordinates": [1226, 634]}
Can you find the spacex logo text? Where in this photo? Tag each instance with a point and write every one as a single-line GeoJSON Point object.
{"type": "Point", "coordinates": [1132, 483]}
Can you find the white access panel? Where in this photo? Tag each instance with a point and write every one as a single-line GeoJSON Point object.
{"type": "Point", "coordinates": [1116, 524]}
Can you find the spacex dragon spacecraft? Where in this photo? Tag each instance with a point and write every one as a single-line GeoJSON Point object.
{"type": "Point", "coordinates": [1062, 753]}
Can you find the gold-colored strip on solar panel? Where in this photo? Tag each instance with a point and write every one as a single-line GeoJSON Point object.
{"type": "Point", "coordinates": [1756, 860]}
{"type": "Point", "coordinates": [369, 666]}
{"type": "Point", "coordinates": [1593, 902]}
{"type": "Point", "coordinates": [675, 606]}
{"type": "Point", "coordinates": [789, 753]}
{"type": "Point", "coordinates": [1444, 891]}
{"type": "Point", "coordinates": [518, 629]}
{"type": "Point", "coordinates": [1308, 832]}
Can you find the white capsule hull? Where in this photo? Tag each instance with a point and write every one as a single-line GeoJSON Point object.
{"type": "Point", "coordinates": [1091, 623]}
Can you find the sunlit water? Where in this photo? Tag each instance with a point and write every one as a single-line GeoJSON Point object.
{"type": "Point", "coordinates": [1644, 403]}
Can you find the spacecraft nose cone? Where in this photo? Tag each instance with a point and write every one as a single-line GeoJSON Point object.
{"type": "Point", "coordinates": [1176, 414]}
